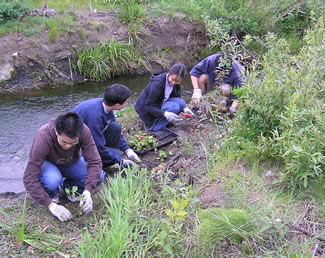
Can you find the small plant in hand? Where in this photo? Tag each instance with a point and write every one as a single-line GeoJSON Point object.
{"type": "Point", "coordinates": [142, 142]}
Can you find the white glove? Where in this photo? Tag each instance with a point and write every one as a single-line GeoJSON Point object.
{"type": "Point", "coordinates": [233, 110]}
{"type": "Point", "coordinates": [62, 213]}
{"type": "Point", "coordinates": [171, 117]}
{"type": "Point", "coordinates": [86, 202]}
{"type": "Point", "coordinates": [132, 155]}
{"type": "Point", "coordinates": [196, 97]}
{"type": "Point", "coordinates": [188, 111]}
{"type": "Point", "coordinates": [127, 163]}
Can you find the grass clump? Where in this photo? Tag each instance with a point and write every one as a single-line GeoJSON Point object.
{"type": "Point", "coordinates": [108, 59]}
{"type": "Point", "coordinates": [17, 228]}
{"type": "Point", "coordinates": [125, 230]}
{"type": "Point", "coordinates": [217, 224]}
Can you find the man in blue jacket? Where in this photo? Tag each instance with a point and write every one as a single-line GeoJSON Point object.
{"type": "Point", "coordinates": [98, 115]}
{"type": "Point", "coordinates": [204, 77]}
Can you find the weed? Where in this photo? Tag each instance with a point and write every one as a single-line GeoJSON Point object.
{"type": "Point", "coordinates": [41, 241]}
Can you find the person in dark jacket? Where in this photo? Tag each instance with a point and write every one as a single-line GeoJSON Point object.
{"type": "Point", "coordinates": [98, 115]}
{"type": "Point", "coordinates": [205, 73]}
{"type": "Point", "coordinates": [63, 153]}
{"type": "Point", "coordinates": [160, 102]}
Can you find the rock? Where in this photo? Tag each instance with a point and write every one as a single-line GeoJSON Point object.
{"type": "Point", "coordinates": [6, 70]}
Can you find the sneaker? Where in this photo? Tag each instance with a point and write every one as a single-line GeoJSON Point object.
{"type": "Point", "coordinates": [55, 199]}
{"type": "Point", "coordinates": [72, 199]}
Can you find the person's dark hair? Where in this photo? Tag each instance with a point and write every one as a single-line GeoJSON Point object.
{"type": "Point", "coordinates": [70, 124]}
{"type": "Point", "coordinates": [178, 69]}
{"type": "Point", "coordinates": [116, 94]}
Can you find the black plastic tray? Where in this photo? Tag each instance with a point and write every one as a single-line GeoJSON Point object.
{"type": "Point", "coordinates": [163, 137]}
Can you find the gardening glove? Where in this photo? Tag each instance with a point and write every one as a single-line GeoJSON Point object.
{"type": "Point", "coordinates": [188, 111]}
{"type": "Point", "coordinates": [171, 117]}
{"type": "Point", "coordinates": [127, 163]}
{"type": "Point", "coordinates": [132, 155]}
{"type": "Point", "coordinates": [233, 110]}
{"type": "Point", "coordinates": [60, 212]}
{"type": "Point", "coordinates": [86, 202]}
{"type": "Point", "coordinates": [196, 97]}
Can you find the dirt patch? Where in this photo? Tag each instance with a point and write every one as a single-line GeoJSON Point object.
{"type": "Point", "coordinates": [36, 61]}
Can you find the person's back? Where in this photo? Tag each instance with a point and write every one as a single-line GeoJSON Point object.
{"type": "Point", "coordinates": [98, 115]}
{"type": "Point", "coordinates": [89, 110]}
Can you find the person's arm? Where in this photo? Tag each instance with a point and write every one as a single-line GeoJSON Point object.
{"type": "Point", "coordinates": [155, 96]}
{"type": "Point", "coordinates": [38, 153]}
{"type": "Point", "coordinates": [195, 82]}
{"type": "Point", "coordinates": [108, 156]}
{"type": "Point", "coordinates": [92, 157]}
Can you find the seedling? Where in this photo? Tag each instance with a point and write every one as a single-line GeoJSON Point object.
{"type": "Point", "coordinates": [73, 192]}
{"type": "Point", "coordinates": [164, 154]}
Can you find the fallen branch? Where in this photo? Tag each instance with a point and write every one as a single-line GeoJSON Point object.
{"type": "Point", "coordinates": [170, 162]}
{"type": "Point", "coordinates": [307, 233]}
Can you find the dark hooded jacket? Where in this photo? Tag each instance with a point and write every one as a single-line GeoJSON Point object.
{"type": "Point", "coordinates": [149, 103]}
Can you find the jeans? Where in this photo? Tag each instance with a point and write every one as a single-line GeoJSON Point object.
{"type": "Point", "coordinates": [175, 105]}
{"type": "Point", "coordinates": [53, 176]}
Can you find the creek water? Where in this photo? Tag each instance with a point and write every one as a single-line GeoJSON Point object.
{"type": "Point", "coordinates": [23, 113]}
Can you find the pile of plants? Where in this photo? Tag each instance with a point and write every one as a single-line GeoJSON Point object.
{"type": "Point", "coordinates": [141, 142]}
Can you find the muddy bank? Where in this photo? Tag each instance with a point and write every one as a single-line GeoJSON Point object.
{"type": "Point", "coordinates": [36, 61]}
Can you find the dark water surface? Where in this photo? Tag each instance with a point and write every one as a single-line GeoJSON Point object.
{"type": "Point", "coordinates": [23, 113]}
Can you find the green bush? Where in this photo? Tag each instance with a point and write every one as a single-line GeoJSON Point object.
{"type": "Point", "coordinates": [10, 10]}
{"type": "Point", "coordinates": [217, 224]}
{"type": "Point", "coordinates": [283, 112]}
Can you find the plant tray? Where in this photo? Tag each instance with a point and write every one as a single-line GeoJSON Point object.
{"type": "Point", "coordinates": [163, 137]}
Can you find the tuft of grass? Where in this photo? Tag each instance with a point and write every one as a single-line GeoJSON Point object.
{"type": "Point", "coordinates": [107, 59]}
{"type": "Point", "coordinates": [17, 229]}
{"type": "Point", "coordinates": [217, 224]}
{"type": "Point", "coordinates": [125, 229]}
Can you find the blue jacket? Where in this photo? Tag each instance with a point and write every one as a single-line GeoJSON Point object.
{"type": "Point", "coordinates": [93, 115]}
{"type": "Point", "coordinates": [149, 103]}
{"type": "Point", "coordinates": [208, 66]}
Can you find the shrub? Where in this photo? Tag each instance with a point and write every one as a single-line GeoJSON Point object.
{"type": "Point", "coordinates": [283, 112]}
{"type": "Point", "coordinates": [11, 10]}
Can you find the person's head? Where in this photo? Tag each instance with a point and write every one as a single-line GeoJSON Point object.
{"type": "Point", "coordinates": [68, 128]}
{"type": "Point", "coordinates": [176, 74]}
{"type": "Point", "coordinates": [116, 95]}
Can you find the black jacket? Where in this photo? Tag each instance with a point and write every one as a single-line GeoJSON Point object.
{"type": "Point", "coordinates": [148, 105]}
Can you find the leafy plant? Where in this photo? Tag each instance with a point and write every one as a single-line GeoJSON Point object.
{"type": "Point", "coordinates": [164, 154]}
{"type": "Point", "coordinates": [283, 113]}
{"type": "Point", "coordinates": [17, 228]}
{"type": "Point", "coordinates": [179, 210]}
{"type": "Point", "coordinates": [142, 142]}
{"type": "Point", "coordinates": [10, 10]}
{"type": "Point", "coordinates": [73, 192]}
